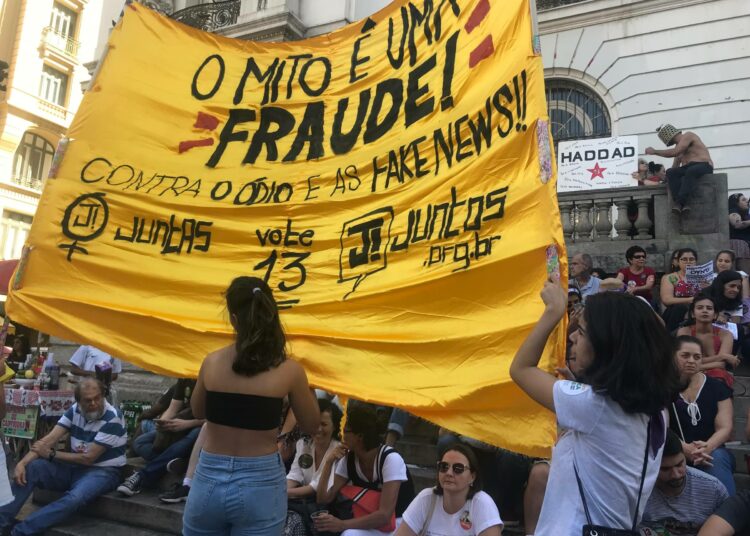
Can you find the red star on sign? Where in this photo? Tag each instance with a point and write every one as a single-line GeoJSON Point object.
{"type": "Point", "coordinates": [597, 171]}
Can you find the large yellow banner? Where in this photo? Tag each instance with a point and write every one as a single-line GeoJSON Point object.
{"type": "Point", "coordinates": [392, 181]}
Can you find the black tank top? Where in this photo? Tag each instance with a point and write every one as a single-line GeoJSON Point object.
{"type": "Point", "coordinates": [238, 410]}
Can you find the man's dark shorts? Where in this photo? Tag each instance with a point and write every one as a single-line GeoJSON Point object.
{"type": "Point", "coordinates": [736, 511]}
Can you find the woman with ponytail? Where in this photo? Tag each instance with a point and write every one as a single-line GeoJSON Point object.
{"type": "Point", "coordinates": [240, 484]}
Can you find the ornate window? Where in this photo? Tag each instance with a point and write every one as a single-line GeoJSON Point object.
{"type": "Point", "coordinates": [32, 161]}
{"type": "Point", "coordinates": [53, 85]}
{"type": "Point", "coordinates": [575, 111]}
{"type": "Point", "coordinates": [14, 229]}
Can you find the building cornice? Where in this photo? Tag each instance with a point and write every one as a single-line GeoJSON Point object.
{"type": "Point", "coordinates": [583, 14]}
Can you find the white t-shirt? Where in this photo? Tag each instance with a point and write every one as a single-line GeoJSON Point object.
{"type": "Point", "coordinates": [478, 514]}
{"type": "Point", "coordinates": [309, 475]}
{"type": "Point", "coordinates": [87, 357]}
{"type": "Point", "coordinates": [394, 468]}
{"type": "Point", "coordinates": [607, 446]}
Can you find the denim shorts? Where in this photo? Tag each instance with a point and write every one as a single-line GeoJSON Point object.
{"type": "Point", "coordinates": [237, 496]}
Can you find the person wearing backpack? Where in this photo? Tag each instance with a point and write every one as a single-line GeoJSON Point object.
{"type": "Point", "coordinates": [371, 477]}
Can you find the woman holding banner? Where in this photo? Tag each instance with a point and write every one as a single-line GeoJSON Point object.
{"type": "Point", "coordinates": [239, 485]}
{"type": "Point", "coordinates": [613, 425]}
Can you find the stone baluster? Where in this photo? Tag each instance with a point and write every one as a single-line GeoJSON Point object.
{"type": "Point", "coordinates": [643, 223]}
{"type": "Point", "coordinates": [584, 226]}
{"type": "Point", "coordinates": [622, 225]}
{"type": "Point", "coordinates": [567, 224]}
{"type": "Point", "coordinates": [603, 226]}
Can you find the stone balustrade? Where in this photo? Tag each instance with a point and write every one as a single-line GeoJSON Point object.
{"type": "Point", "coordinates": [615, 214]}
{"type": "Point", "coordinates": [605, 223]}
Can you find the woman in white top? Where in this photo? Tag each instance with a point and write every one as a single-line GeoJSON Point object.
{"type": "Point", "coordinates": [302, 479]}
{"type": "Point", "coordinates": [611, 422]}
{"type": "Point", "coordinates": [457, 504]}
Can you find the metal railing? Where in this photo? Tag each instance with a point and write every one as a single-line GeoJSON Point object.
{"type": "Point", "coordinates": [210, 17]}
{"type": "Point", "coordinates": [64, 43]}
{"type": "Point", "coordinates": [29, 182]}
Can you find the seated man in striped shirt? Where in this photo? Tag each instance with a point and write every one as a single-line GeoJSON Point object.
{"type": "Point", "coordinates": [683, 497]}
{"type": "Point", "coordinates": [92, 468]}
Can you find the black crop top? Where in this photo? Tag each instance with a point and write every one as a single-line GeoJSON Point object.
{"type": "Point", "coordinates": [250, 412]}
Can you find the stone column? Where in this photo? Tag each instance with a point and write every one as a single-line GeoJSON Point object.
{"type": "Point", "coordinates": [584, 227]}
{"type": "Point", "coordinates": [622, 225]}
{"type": "Point", "coordinates": [567, 225]}
{"type": "Point", "coordinates": [643, 223]}
{"type": "Point", "coordinates": [603, 226]}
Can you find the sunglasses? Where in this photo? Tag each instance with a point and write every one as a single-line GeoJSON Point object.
{"type": "Point", "coordinates": [458, 468]}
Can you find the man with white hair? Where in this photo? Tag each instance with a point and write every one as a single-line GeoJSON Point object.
{"type": "Point", "coordinates": [691, 162]}
{"type": "Point", "coordinates": [580, 275]}
{"type": "Point", "coordinates": [92, 468]}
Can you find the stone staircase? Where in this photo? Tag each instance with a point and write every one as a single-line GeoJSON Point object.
{"type": "Point", "coordinates": [740, 446]}
{"type": "Point", "coordinates": [145, 515]}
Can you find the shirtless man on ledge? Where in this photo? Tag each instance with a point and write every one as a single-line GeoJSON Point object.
{"type": "Point", "coordinates": [691, 162]}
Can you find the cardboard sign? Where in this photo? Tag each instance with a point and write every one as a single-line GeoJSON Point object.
{"type": "Point", "coordinates": [700, 273]}
{"type": "Point", "coordinates": [20, 421]}
{"type": "Point", "coordinates": [597, 163]}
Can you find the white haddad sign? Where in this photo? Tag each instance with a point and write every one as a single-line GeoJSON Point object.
{"type": "Point", "coordinates": [598, 163]}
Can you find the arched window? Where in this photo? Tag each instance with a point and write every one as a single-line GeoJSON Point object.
{"type": "Point", "coordinates": [575, 111]}
{"type": "Point", "coordinates": [32, 161]}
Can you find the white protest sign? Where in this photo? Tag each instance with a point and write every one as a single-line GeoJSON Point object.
{"type": "Point", "coordinates": [700, 273]}
{"type": "Point", "coordinates": [596, 164]}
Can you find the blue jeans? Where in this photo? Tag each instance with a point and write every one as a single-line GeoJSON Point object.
{"type": "Point", "coordinates": [81, 485]}
{"type": "Point", "coordinates": [723, 468]}
{"type": "Point", "coordinates": [233, 496]}
{"type": "Point", "coordinates": [157, 466]}
{"type": "Point", "coordinates": [147, 425]}
{"type": "Point", "coordinates": [398, 421]}
{"type": "Point", "coordinates": [143, 445]}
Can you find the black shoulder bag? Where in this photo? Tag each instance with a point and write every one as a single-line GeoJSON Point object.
{"type": "Point", "coordinates": [589, 529]}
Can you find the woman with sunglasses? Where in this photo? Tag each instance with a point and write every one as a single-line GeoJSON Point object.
{"type": "Point", "coordinates": [457, 504]}
{"type": "Point", "coordinates": [676, 292]}
{"type": "Point", "coordinates": [637, 277]}
{"type": "Point", "coordinates": [613, 423]}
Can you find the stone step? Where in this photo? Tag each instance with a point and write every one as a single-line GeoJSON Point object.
{"type": "Point", "coordinates": [741, 406]}
{"type": "Point", "coordinates": [420, 430]}
{"type": "Point", "coordinates": [144, 510]}
{"type": "Point", "coordinates": [88, 526]}
{"type": "Point", "coordinates": [424, 477]}
{"type": "Point", "coordinates": [740, 452]}
{"type": "Point", "coordinates": [418, 453]}
{"type": "Point", "coordinates": [742, 481]}
{"type": "Point", "coordinates": [739, 430]}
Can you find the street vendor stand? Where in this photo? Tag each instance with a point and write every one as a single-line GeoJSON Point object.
{"type": "Point", "coordinates": [31, 414]}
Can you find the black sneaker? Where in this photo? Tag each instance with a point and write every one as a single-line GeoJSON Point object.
{"type": "Point", "coordinates": [131, 485]}
{"type": "Point", "coordinates": [677, 209]}
{"type": "Point", "coordinates": [177, 466]}
{"type": "Point", "coordinates": [177, 494]}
